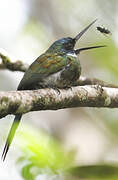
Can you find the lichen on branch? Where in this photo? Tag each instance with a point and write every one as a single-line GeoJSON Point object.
{"type": "Point", "coordinates": [20, 102]}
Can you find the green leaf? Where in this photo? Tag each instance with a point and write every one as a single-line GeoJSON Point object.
{"type": "Point", "coordinates": [26, 173]}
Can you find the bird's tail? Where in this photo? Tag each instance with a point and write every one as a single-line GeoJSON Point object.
{"type": "Point", "coordinates": [11, 135]}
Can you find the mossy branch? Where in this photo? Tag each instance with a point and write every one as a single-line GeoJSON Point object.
{"type": "Point", "coordinates": [20, 102]}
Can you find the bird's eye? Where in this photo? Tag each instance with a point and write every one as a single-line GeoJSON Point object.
{"type": "Point", "coordinates": [68, 46]}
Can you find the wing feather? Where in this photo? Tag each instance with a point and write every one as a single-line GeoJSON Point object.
{"type": "Point", "coordinates": [45, 65]}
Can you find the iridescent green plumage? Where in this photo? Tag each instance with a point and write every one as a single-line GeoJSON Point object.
{"type": "Point", "coordinates": [48, 65]}
{"type": "Point", "coordinates": [58, 67]}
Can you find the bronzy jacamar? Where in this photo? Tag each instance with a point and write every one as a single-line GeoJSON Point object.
{"type": "Point", "coordinates": [57, 68]}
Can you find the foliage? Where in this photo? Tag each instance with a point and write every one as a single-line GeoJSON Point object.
{"type": "Point", "coordinates": [45, 155]}
{"type": "Point", "coordinates": [42, 154]}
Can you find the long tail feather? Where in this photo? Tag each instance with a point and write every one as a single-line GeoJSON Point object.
{"type": "Point", "coordinates": [11, 135]}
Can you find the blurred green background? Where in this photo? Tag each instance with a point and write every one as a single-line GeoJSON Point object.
{"type": "Point", "coordinates": [27, 29]}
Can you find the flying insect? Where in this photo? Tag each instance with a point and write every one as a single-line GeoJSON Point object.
{"type": "Point", "coordinates": [104, 30]}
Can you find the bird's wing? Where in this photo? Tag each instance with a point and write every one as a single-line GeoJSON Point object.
{"type": "Point", "coordinates": [44, 66]}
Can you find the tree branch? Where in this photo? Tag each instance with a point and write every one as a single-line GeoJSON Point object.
{"type": "Point", "coordinates": [11, 63]}
{"type": "Point", "coordinates": [20, 102]}
{"type": "Point", "coordinates": [93, 81]}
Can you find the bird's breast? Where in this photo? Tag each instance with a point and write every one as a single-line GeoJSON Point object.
{"type": "Point", "coordinates": [63, 78]}
{"type": "Point", "coordinates": [53, 80]}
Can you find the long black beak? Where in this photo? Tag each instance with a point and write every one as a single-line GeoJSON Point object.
{"type": "Point", "coordinates": [77, 51]}
{"type": "Point", "coordinates": [83, 31]}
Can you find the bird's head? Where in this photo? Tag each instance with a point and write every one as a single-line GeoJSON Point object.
{"type": "Point", "coordinates": [67, 44]}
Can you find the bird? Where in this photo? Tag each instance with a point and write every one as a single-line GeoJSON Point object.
{"type": "Point", "coordinates": [58, 67]}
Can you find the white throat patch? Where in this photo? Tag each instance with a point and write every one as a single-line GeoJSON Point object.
{"type": "Point", "coordinates": [72, 54]}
